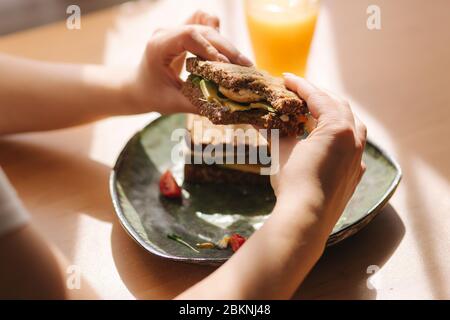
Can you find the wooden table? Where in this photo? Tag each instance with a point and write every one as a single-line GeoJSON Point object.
{"type": "Point", "coordinates": [396, 78]}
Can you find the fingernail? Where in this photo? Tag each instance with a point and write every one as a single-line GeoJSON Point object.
{"type": "Point", "coordinates": [288, 74]}
{"type": "Point", "coordinates": [243, 60]}
{"type": "Point", "coordinates": [222, 58]}
{"type": "Point", "coordinates": [212, 22]}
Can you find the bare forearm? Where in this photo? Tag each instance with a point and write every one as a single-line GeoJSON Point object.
{"type": "Point", "coordinates": [44, 96]}
{"type": "Point", "coordinates": [32, 268]}
{"type": "Point", "coordinates": [273, 262]}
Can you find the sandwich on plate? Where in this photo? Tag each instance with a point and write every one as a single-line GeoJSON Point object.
{"type": "Point", "coordinates": [223, 157]}
{"type": "Point", "coordinates": [226, 93]}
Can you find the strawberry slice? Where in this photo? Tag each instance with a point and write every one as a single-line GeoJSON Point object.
{"type": "Point", "coordinates": [236, 241]}
{"type": "Point", "coordinates": [168, 186]}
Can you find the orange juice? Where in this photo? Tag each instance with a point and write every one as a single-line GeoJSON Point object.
{"type": "Point", "coordinates": [281, 32]}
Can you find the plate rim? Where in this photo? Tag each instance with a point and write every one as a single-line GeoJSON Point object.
{"type": "Point", "coordinates": [342, 234]}
{"type": "Point", "coordinates": [333, 239]}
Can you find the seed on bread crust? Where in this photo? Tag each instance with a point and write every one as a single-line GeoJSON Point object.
{"type": "Point", "coordinates": [284, 118]}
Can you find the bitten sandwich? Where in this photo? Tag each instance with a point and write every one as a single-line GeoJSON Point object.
{"type": "Point", "coordinates": [226, 93]}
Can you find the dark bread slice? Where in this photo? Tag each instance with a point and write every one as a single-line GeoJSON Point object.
{"type": "Point", "coordinates": [218, 114]}
{"type": "Point", "coordinates": [203, 173]}
{"type": "Point", "coordinates": [247, 146]}
{"type": "Point", "coordinates": [239, 156]}
{"type": "Point", "coordinates": [233, 76]}
{"type": "Point", "coordinates": [198, 126]}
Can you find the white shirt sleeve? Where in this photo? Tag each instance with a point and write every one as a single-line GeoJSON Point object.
{"type": "Point", "coordinates": [12, 212]}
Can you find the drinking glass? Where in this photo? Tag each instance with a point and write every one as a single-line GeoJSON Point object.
{"type": "Point", "coordinates": [281, 32]}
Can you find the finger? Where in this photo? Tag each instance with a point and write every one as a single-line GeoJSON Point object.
{"type": "Point", "coordinates": [177, 63]}
{"type": "Point", "coordinates": [332, 95]}
{"type": "Point", "coordinates": [195, 17]}
{"type": "Point", "coordinates": [227, 48]}
{"type": "Point", "coordinates": [213, 22]}
{"type": "Point", "coordinates": [320, 104]}
{"type": "Point", "coordinates": [173, 78]}
{"type": "Point", "coordinates": [204, 18]}
{"type": "Point", "coordinates": [306, 91]}
{"type": "Point", "coordinates": [361, 130]}
{"type": "Point", "coordinates": [210, 21]}
{"type": "Point", "coordinates": [361, 134]}
{"type": "Point", "coordinates": [300, 85]}
{"type": "Point", "coordinates": [362, 170]}
{"type": "Point", "coordinates": [341, 103]}
{"type": "Point", "coordinates": [177, 102]}
{"type": "Point", "coordinates": [189, 39]}
{"type": "Point", "coordinates": [274, 183]}
{"type": "Point", "coordinates": [198, 17]}
{"type": "Point", "coordinates": [203, 48]}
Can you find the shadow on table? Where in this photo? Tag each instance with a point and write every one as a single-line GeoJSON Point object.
{"type": "Point", "coordinates": [342, 272]}
{"type": "Point", "coordinates": [148, 276]}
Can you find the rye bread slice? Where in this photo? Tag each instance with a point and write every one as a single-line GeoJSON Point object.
{"type": "Point", "coordinates": [215, 174]}
{"type": "Point", "coordinates": [233, 76]}
{"type": "Point", "coordinates": [219, 114]}
{"type": "Point", "coordinates": [251, 147]}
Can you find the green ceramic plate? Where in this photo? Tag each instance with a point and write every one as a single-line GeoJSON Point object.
{"type": "Point", "coordinates": [208, 212]}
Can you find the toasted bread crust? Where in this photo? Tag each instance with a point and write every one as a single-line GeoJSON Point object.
{"type": "Point", "coordinates": [234, 76]}
{"type": "Point", "coordinates": [218, 114]}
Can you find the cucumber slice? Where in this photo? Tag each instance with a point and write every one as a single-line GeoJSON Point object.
{"type": "Point", "coordinates": [235, 106]}
{"type": "Point", "coordinates": [262, 105]}
{"type": "Point", "coordinates": [195, 79]}
{"type": "Point", "coordinates": [209, 90]}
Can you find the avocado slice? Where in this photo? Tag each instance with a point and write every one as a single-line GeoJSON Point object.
{"type": "Point", "coordinates": [210, 92]}
{"type": "Point", "coordinates": [235, 106]}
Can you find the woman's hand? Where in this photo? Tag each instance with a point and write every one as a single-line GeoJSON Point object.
{"type": "Point", "coordinates": [316, 179]}
{"type": "Point", "coordinates": [92, 92]}
{"type": "Point", "coordinates": [326, 166]}
{"type": "Point", "coordinates": [157, 84]}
